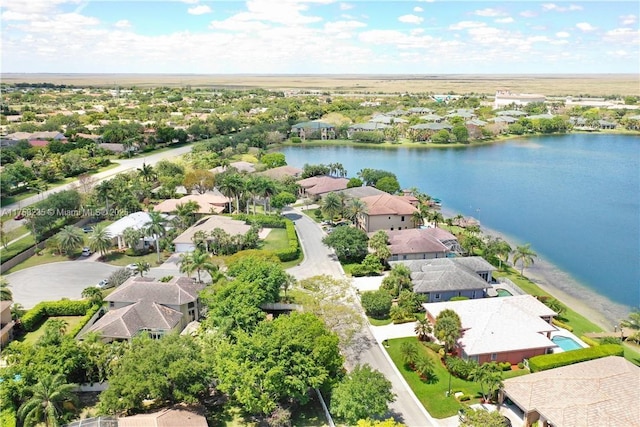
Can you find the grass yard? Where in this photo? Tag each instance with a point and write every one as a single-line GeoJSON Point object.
{"type": "Point", "coordinates": [16, 247]}
{"type": "Point", "coordinates": [72, 322]}
{"type": "Point", "coordinates": [433, 395]}
{"type": "Point", "coordinates": [579, 323]}
{"type": "Point", "coordinates": [276, 240]}
{"type": "Point", "coordinates": [45, 257]}
{"type": "Point", "coordinates": [121, 259]}
{"type": "Point", "coordinates": [229, 415]}
{"type": "Point", "coordinates": [632, 353]}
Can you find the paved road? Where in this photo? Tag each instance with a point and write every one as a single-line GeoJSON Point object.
{"type": "Point", "coordinates": [321, 260]}
{"type": "Point", "coordinates": [123, 166]}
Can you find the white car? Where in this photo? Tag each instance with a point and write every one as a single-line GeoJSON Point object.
{"type": "Point", "coordinates": [132, 268]}
{"type": "Point", "coordinates": [103, 284]}
{"type": "Point", "coordinates": [86, 251]}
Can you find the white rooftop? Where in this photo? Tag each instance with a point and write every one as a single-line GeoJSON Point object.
{"type": "Point", "coordinates": [502, 324]}
{"type": "Point", "coordinates": [136, 220]}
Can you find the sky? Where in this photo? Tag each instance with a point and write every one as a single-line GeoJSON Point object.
{"type": "Point", "coordinates": [320, 37]}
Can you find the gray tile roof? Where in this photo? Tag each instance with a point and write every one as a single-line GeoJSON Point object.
{"type": "Point", "coordinates": [312, 125]}
{"type": "Point", "coordinates": [444, 275]}
{"type": "Point", "coordinates": [360, 192]}
{"type": "Point", "coordinates": [178, 291]}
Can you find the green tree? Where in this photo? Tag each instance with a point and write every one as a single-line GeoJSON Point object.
{"type": "Point", "coordinates": [633, 320]}
{"type": "Point", "coordinates": [185, 212]}
{"type": "Point", "coordinates": [424, 366]}
{"type": "Point", "coordinates": [482, 418]}
{"type": "Point", "coordinates": [448, 329]}
{"type": "Point", "coordinates": [525, 255]}
{"type": "Point", "coordinates": [142, 267]}
{"type": "Point", "coordinates": [156, 227]}
{"type": "Point", "coordinates": [5, 292]}
{"type": "Point", "coordinates": [388, 184]}
{"type": "Point", "coordinates": [200, 180]}
{"type": "Point", "coordinates": [201, 261]}
{"type": "Point", "coordinates": [349, 244]}
{"type": "Point", "coordinates": [423, 329]}
{"type": "Point", "coordinates": [100, 240]}
{"type": "Point", "coordinates": [376, 304]}
{"type": "Point", "coordinates": [379, 244]}
{"type": "Point", "coordinates": [282, 199]}
{"type": "Point", "coordinates": [170, 369]}
{"type": "Point", "coordinates": [441, 137]}
{"type": "Point", "coordinates": [132, 236]}
{"type": "Point", "coordinates": [70, 238]}
{"type": "Point", "coordinates": [273, 160]}
{"type": "Point", "coordinates": [46, 402]}
{"type": "Point", "coordinates": [461, 133]}
{"type": "Point", "coordinates": [280, 361]}
{"type": "Point", "coordinates": [331, 206]}
{"type": "Point", "coordinates": [147, 172]}
{"type": "Point", "coordinates": [489, 375]}
{"type": "Point", "coordinates": [398, 279]}
{"type": "Point", "coordinates": [355, 208]}
{"type": "Point", "coordinates": [93, 294]}
{"type": "Point", "coordinates": [363, 393]}
{"type": "Point", "coordinates": [409, 353]}
{"type": "Point", "coordinates": [354, 182]}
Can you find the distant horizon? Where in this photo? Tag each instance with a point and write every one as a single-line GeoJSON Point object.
{"type": "Point", "coordinates": [10, 73]}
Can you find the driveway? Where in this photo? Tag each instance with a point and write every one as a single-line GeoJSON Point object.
{"type": "Point", "coordinates": [51, 282]}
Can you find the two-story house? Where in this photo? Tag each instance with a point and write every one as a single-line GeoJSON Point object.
{"type": "Point", "coordinates": [387, 212]}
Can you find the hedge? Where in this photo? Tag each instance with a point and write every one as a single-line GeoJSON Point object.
{"type": "Point", "coordinates": [268, 221]}
{"type": "Point", "coordinates": [90, 312]}
{"type": "Point", "coordinates": [556, 360]}
{"type": "Point", "coordinates": [293, 251]}
{"type": "Point", "coordinates": [562, 325]}
{"type": "Point", "coordinates": [34, 317]}
{"type": "Point", "coordinates": [590, 342]}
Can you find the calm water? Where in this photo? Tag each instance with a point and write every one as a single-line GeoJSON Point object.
{"type": "Point", "coordinates": [575, 198]}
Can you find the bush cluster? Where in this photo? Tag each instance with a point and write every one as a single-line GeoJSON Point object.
{"type": "Point", "coordinates": [33, 318]}
{"type": "Point", "coordinates": [459, 368]}
{"type": "Point", "coordinates": [376, 304]}
{"type": "Point", "coordinates": [8, 417]}
{"type": "Point", "coordinates": [85, 319]}
{"type": "Point", "coordinates": [505, 366]}
{"type": "Point", "coordinates": [562, 325]}
{"type": "Point", "coordinates": [267, 221]}
{"type": "Point", "coordinates": [556, 360]}
{"type": "Point", "coordinates": [591, 342]}
{"type": "Point", "coordinates": [433, 346]}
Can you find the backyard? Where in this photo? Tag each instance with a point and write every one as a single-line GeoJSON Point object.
{"type": "Point", "coordinates": [433, 394]}
{"type": "Point", "coordinates": [71, 321]}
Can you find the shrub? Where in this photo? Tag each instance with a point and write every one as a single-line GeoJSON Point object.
{"type": "Point", "coordinates": [293, 251]}
{"type": "Point", "coordinates": [592, 343]}
{"type": "Point", "coordinates": [376, 304]}
{"type": "Point", "coordinates": [520, 365]}
{"type": "Point", "coordinates": [460, 368]}
{"type": "Point", "coordinates": [8, 417]}
{"type": "Point", "coordinates": [505, 366]}
{"type": "Point", "coordinates": [33, 318]}
{"type": "Point", "coordinates": [562, 325]}
{"type": "Point", "coordinates": [118, 277]}
{"type": "Point", "coordinates": [76, 330]}
{"type": "Point", "coordinates": [166, 279]}
{"type": "Point", "coordinates": [400, 314]}
{"type": "Point", "coordinates": [607, 340]}
{"type": "Point", "coordinates": [433, 346]}
{"type": "Point", "coordinates": [296, 139]}
{"type": "Point", "coordinates": [268, 221]}
{"type": "Point", "coordinates": [550, 361]}
{"type": "Point", "coordinates": [464, 398]}
{"type": "Point", "coordinates": [460, 298]}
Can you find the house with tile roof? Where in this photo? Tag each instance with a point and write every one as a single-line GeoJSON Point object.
{"type": "Point", "coordinates": [314, 130]}
{"type": "Point", "coordinates": [185, 241]}
{"type": "Point", "coordinates": [316, 186]}
{"type": "Point", "coordinates": [167, 417]}
{"type": "Point", "coordinates": [208, 203]}
{"type": "Point", "coordinates": [440, 279]}
{"type": "Point", "coordinates": [599, 392]}
{"type": "Point", "coordinates": [143, 304]}
{"type": "Point", "coordinates": [421, 243]}
{"type": "Point", "coordinates": [386, 212]}
{"type": "Point", "coordinates": [501, 329]}
{"type": "Point", "coordinates": [280, 173]}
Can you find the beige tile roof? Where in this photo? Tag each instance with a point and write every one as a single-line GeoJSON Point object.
{"type": "Point", "coordinates": [317, 185]}
{"type": "Point", "coordinates": [281, 172]}
{"type": "Point", "coordinates": [208, 224]}
{"type": "Point", "coordinates": [386, 204]}
{"type": "Point", "coordinates": [415, 241]}
{"type": "Point", "coordinates": [496, 325]}
{"type": "Point", "coordinates": [601, 392]}
{"type": "Point", "coordinates": [165, 418]}
{"type": "Point", "coordinates": [208, 202]}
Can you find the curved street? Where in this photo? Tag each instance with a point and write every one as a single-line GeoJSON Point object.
{"type": "Point", "coordinates": [318, 259]}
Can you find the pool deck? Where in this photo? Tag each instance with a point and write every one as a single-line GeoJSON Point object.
{"type": "Point", "coordinates": [564, 333]}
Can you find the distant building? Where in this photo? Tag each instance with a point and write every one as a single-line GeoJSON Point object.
{"type": "Point", "coordinates": [504, 98]}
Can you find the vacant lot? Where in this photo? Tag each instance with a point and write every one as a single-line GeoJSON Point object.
{"type": "Point", "coordinates": [550, 85]}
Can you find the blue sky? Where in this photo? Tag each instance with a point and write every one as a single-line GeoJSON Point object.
{"type": "Point", "coordinates": [320, 37]}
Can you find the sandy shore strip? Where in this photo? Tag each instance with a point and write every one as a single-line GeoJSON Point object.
{"type": "Point", "coordinates": [562, 286]}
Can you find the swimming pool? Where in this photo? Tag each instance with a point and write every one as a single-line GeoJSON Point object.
{"type": "Point", "coordinates": [566, 343]}
{"type": "Point", "coordinates": [503, 292]}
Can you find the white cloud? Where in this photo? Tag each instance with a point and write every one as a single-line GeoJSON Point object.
{"type": "Point", "coordinates": [190, 1]}
{"type": "Point", "coordinates": [547, 7]}
{"type": "Point", "coordinates": [199, 10]}
{"type": "Point", "coordinates": [585, 26]}
{"type": "Point", "coordinates": [528, 14]}
{"type": "Point", "coordinates": [342, 26]}
{"type": "Point", "coordinates": [418, 9]}
{"type": "Point", "coordinates": [345, 6]}
{"type": "Point", "coordinates": [238, 25]}
{"type": "Point", "coordinates": [506, 20]}
{"type": "Point", "coordinates": [410, 19]}
{"type": "Point", "coordinates": [123, 23]}
{"type": "Point", "coordinates": [464, 25]}
{"type": "Point", "coordinates": [489, 12]}
{"type": "Point", "coordinates": [35, 6]}
{"type": "Point", "coordinates": [562, 34]}
{"type": "Point", "coordinates": [628, 19]}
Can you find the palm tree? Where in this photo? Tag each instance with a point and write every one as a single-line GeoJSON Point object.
{"type": "Point", "coordinates": [146, 172]}
{"type": "Point", "coordinates": [418, 218]}
{"type": "Point", "coordinates": [355, 208]}
{"type": "Point", "coordinates": [448, 328]}
{"type": "Point", "coordinates": [632, 321]}
{"type": "Point", "coordinates": [423, 329]}
{"type": "Point", "coordinates": [186, 264]}
{"type": "Point", "coordinates": [93, 294]}
{"type": "Point", "coordinates": [185, 212]}
{"type": "Point", "coordinates": [409, 352]}
{"type": "Point", "coordinates": [525, 255]}
{"type": "Point", "coordinates": [488, 374]}
{"type": "Point", "coordinates": [156, 228]}
{"type": "Point", "coordinates": [202, 261]}
{"type": "Point", "coordinates": [142, 267]}
{"type": "Point", "coordinates": [70, 238]}
{"type": "Point", "coordinates": [104, 191]}
{"type": "Point", "coordinates": [424, 366]}
{"type": "Point", "coordinates": [331, 205]}
{"type": "Point", "coordinates": [46, 403]}
{"type": "Point", "coordinates": [436, 217]}
{"type": "Point", "coordinates": [231, 185]}
{"type": "Point", "coordinates": [199, 239]}
{"type": "Point", "coordinates": [100, 240]}
{"type": "Point", "coordinates": [5, 292]}
{"type": "Point", "coordinates": [132, 237]}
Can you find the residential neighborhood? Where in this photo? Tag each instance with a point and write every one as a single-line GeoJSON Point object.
{"type": "Point", "coordinates": [162, 262]}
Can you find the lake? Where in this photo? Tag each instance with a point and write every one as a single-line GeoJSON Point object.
{"type": "Point", "coordinates": [575, 198]}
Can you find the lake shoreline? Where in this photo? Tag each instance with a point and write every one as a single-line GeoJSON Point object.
{"type": "Point", "coordinates": [565, 288]}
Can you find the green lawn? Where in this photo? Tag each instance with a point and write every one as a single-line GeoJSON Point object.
{"type": "Point", "coordinates": [45, 257]}
{"type": "Point", "coordinates": [579, 323]}
{"type": "Point", "coordinates": [632, 353]}
{"type": "Point", "coordinates": [72, 322]}
{"type": "Point", "coordinates": [16, 248]}
{"type": "Point", "coordinates": [434, 395]}
{"type": "Point", "coordinates": [121, 259]}
{"type": "Point", "coordinates": [276, 240]}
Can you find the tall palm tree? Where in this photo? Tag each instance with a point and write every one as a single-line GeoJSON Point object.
{"type": "Point", "coordinates": [5, 292]}
{"type": "Point", "coordinates": [201, 261]}
{"type": "Point", "coordinates": [142, 267]}
{"type": "Point", "coordinates": [100, 240]}
{"type": "Point", "coordinates": [355, 208]}
{"type": "Point", "coordinates": [409, 352]}
{"type": "Point", "coordinates": [448, 328]}
{"type": "Point", "coordinates": [185, 212]}
{"type": "Point", "coordinates": [186, 264]}
{"type": "Point", "coordinates": [232, 185]}
{"type": "Point", "coordinates": [104, 191]}
{"type": "Point", "coordinates": [423, 329]}
{"type": "Point", "coordinates": [525, 255]}
{"type": "Point", "coordinates": [70, 238]}
{"type": "Point", "coordinates": [199, 239]}
{"type": "Point", "coordinates": [146, 172]}
{"type": "Point", "coordinates": [418, 218]}
{"type": "Point", "coordinates": [46, 403]}
{"type": "Point", "coordinates": [436, 217]}
{"type": "Point", "coordinates": [156, 227]}
{"type": "Point", "coordinates": [488, 374]}
{"type": "Point", "coordinates": [331, 205]}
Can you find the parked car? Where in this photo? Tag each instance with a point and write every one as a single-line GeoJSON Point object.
{"type": "Point", "coordinates": [87, 229]}
{"type": "Point", "coordinates": [132, 268]}
{"type": "Point", "coordinates": [86, 251]}
{"type": "Point", "coordinates": [103, 284]}
{"type": "Point", "coordinates": [19, 216]}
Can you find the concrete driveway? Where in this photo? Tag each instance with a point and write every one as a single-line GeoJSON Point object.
{"type": "Point", "coordinates": [51, 282]}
